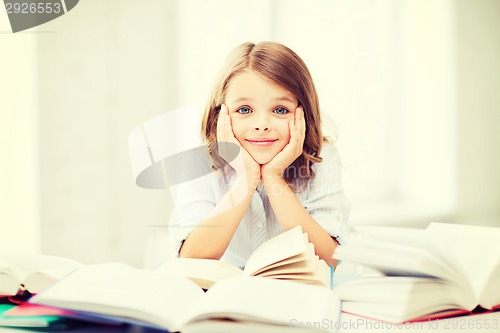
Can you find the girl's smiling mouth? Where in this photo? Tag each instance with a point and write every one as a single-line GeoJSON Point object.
{"type": "Point", "coordinates": [261, 142]}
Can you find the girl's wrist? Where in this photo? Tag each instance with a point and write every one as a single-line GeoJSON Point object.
{"type": "Point", "coordinates": [247, 184]}
{"type": "Point", "coordinates": [272, 182]}
{"type": "Point", "coordinates": [271, 173]}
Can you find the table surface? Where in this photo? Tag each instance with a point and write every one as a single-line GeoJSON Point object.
{"type": "Point", "coordinates": [485, 322]}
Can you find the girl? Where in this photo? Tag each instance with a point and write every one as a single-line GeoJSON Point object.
{"type": "Point", "coordinates": [286, 173]}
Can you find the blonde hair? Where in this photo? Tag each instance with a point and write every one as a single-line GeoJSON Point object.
{"type": "Point", "coordinates": [285, 68]}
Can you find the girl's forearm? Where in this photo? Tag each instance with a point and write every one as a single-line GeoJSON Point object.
{"type": "Point", "coordinates": [211, 237]}
{"type": "Point", "coordinates": [291, 213]}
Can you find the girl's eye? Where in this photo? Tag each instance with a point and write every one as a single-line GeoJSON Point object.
{"type": "Point", "coordinates": [281, 110]}
{"type": "Point", "coordinates": [244, 110]}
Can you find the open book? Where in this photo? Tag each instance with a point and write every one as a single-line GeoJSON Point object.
{"type": "Point", "coordinates": [441, 271]}
{"type": "Point", "coordinates": [159, 300]}
{"type": "Point", "coordinates": [32, 272]}
{"type": "Point", "coordinates": [288, 256]}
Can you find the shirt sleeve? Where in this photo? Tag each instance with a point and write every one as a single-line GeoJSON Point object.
{"type": "Point", "coordinates": [326, 201]}
{"type": "Point", "coordinates": [193, 200]}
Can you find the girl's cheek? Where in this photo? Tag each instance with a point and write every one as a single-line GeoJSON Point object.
{"type": "Point", "coordinates": [286, 127]}
{"type": "Point", "coordinates": [236, 127]}
{"type": "Point", "coordinates": [238, 133]}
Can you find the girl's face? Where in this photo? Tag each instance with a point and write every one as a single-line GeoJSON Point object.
{"type": "Point", "coordinates": [260, 111]}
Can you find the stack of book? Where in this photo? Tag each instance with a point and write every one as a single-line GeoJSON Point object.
{"type": "Point", "coordinates": [283, 283]}
{"type": "Point", "coordinates": [438, 272]}
{"type": "Point", "coordinates": [25, 275]}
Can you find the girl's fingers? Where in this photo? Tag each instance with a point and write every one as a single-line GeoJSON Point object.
{"type": "Point", "coordinates": [299, 130]}
{"type": "Point", "coordinates": [224, 120]}
{"type": "Point", "coordinates": [228, 127]}
{"type": "Point", "coordinates": [223, 125]}
{"type": "Point", "coordinates": [300, 121]}
{"type": "Point", "coordinates": [294, 133]}
{"type": "Point", "coordinates": [220, 126]}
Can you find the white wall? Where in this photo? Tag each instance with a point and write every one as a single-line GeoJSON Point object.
{"type": "Point", "coordinates": [478, 111]}
{"type": "Point", "coordinates": [107, 67]}
{"type": "Point", "coordinates": [19, 168]}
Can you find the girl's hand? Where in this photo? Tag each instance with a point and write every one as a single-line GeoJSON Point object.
{"type": "Point", "coordinates": [277, 166]}
{"type": "Point", "coordinates": [244, 164]}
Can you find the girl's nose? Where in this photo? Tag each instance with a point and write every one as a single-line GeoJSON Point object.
{"type": "Point", "coordinates": [262, 122]}
{"type": "Point", "coordinates": [262, 128]}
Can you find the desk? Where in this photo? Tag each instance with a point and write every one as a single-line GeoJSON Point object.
{"type": "Point", "coordinates": [348, 323]}
{"type": "Point", "coordinates": [88, 329]}
{"type": "Point", "coordinates": [485, 322]}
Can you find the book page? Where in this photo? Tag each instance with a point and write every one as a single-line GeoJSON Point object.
{"type": "Point", "coordinates": [411, 237]}
{"type": "Point", "coordinates": [397, 299]}
{"type": "Point", "coordinates": [41, 280]}
{"type": "Point", "coordinates": [285, 245]}
{"type": "Point", "coordinates": [398, 251]}
{"type": "Point", "coordinates": [35, 271]}
{"type": "Point", "coordinates": [310, 269]}
{"type": "Point", "coordinates": [9, 284]}
{"type": "Point", "coordinates": [24, 264]}
{"type": "Point", "coordinates": [304, 259]}
{"type": "Point", "coordinates": [229, 326]}
{"type": "Point", "coordinates": [267, 301]}
{"type": "Point", "coordinates": [396, 259]}
{"type": "Point", "coordinates": [120, 291]}
{"type": "Point", "coordinates": [205, 272]}
{"type": "Point", "coordinates": [322, 272]}
{"type": "Point", "coordinates": [299, 267]}
{"type": "Point", "coordinates": [490, 296]}
{"type": "Point", "coordinates": [285, 262]}
{"type": "Point", "coordinates": [473, 250]}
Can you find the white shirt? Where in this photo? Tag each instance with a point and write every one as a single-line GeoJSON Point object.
{"type": "Point", "coordinates": [323, 198]}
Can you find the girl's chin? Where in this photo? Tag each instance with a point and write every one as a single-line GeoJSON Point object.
{"type": "Point", "coordinates": [263, 158]}
{"type": "Point", "coordinates": [264, 155]}
{"type": "Point", "coordinates": [262, 162]}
